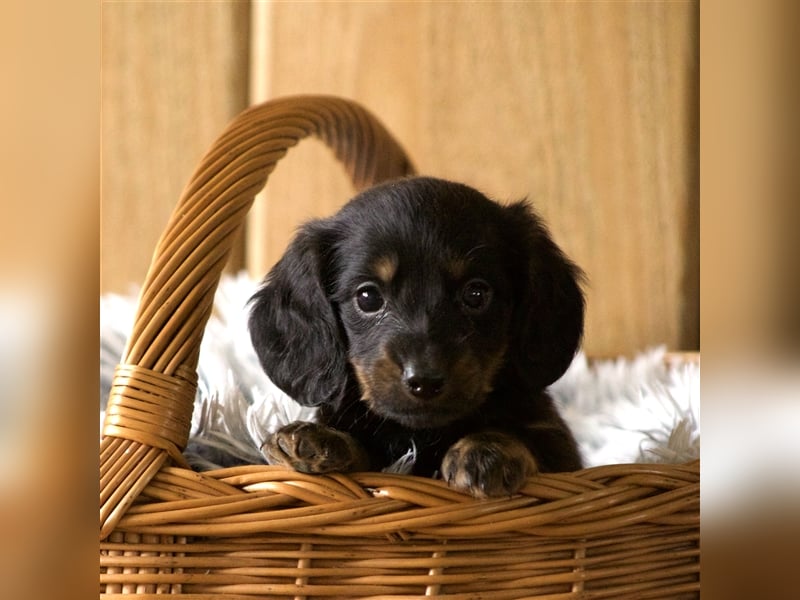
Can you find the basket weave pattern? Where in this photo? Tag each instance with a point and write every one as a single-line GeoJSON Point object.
{"type": "Point", "coordinates": [261, 531]}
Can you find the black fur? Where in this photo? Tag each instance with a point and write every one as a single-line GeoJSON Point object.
{"type": "Point", "coordinates": [481, 312]}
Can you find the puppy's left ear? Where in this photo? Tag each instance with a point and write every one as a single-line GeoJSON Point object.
{"type": "Point", "coordinates": [293, 325]}
{"type": "Point", "coordinates": [549, 314]}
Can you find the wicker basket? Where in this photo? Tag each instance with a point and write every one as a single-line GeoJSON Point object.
{"type": "Point", "coordinates": [623, 531]}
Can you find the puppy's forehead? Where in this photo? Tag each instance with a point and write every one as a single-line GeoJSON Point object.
{"type": "Point", "coordinates": [420, 225]}
{"type": "Point", "coordinates": [385, 266]}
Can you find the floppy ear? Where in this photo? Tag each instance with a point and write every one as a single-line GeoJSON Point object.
{"type": "Point", "coordinates": [550, 310]}
{"type": "Point", "coordinates": [293, 325]}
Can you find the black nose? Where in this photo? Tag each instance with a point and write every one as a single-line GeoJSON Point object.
{"type": "Point", "coordinates": [423, 384]}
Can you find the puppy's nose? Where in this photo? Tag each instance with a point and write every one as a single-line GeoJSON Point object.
{"type": "Point", "coordinates": [424, 384]}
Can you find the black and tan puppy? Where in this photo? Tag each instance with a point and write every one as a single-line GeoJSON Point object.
{"type": "Point", "coordinates": [423, 314]}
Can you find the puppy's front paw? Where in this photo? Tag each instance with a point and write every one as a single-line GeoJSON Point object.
{"type": "Point", "coordinates": [314, 448]}
{"type": "Point", "coordinates": [489, 464]}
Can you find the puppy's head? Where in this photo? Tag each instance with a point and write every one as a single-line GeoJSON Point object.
{"type": "Point", "coordinates": [420, 294]}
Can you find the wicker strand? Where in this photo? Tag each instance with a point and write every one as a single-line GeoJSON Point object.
{"type": "Point", "coordinates": [580, 565]}
{"type": "Point", "coordinates": [303, 564]}
{"type": "Point", "coordinates": [434, 589]}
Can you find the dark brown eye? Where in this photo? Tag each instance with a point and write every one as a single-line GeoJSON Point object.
{"type": "Point", "coordinates": [369, 298]}
{"type": "Point", "coordinates": [476, 296]}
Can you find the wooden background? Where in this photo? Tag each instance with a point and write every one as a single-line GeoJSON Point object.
{"type": "Point", "coordinates": [588, 109]}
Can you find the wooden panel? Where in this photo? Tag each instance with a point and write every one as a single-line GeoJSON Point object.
{"type": "Point", "coordinates": [588, 109]}
{"type": "Point", "coordinates": [173, 75]}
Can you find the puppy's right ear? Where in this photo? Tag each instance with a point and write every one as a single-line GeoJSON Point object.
{"type": "Point", "coordinates": [293, 325]}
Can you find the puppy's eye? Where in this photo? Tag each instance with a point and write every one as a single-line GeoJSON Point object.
{"type": "Point", "coordinates": [369, 298]}
{"type": "Point", "coordinates": [476, 296]}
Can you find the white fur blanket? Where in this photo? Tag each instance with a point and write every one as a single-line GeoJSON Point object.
{"type": "Point", "coordinates": [621, 411]}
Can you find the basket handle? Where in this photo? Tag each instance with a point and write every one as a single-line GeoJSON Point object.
{"type": "Point", "coordinates": [148, 416]}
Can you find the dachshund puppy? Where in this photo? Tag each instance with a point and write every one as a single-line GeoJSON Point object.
{"type": "Point", "coordinates": [423, 314]}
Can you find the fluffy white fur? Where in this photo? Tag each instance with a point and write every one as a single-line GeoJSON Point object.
{"type": "Point", "coordinates": [621, 411]}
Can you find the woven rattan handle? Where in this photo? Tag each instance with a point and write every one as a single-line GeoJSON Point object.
{"type": "Point", "coordinates": [150, 406]}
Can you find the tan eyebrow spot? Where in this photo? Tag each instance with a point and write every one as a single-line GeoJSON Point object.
{"type": "Point", "coordinates": [456, 267]}
{"type": "Point", "coordinates": [385, 268]}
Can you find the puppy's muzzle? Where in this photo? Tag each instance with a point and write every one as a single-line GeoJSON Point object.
{"type": "Point", "coordinates": [422, 365]}
{"type": "Point", "coordinates": [425, 382]}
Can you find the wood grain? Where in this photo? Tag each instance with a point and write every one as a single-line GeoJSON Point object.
{"type": "Point", "coordinates": [173, 74]}
{"type": "Point", "coordinates": [587, 109]}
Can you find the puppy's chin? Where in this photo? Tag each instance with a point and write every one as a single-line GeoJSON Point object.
{"type": "Point", "coordinates": [415, 414]}
{"type": "Point", "coordinates": [417, 420]}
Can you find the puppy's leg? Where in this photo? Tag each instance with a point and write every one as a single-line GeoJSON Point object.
{"type": "Point", "coordinates": [314, 448]}
{"type": "Point", "coordinates": [553, 446]}
{"type": "Point", "coordinates": [488, 464]}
